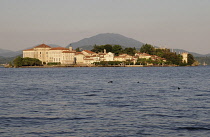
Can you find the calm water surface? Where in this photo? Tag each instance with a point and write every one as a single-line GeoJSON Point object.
{"type": "Point", "coordinates": [79, 102]}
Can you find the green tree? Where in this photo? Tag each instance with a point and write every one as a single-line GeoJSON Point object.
{"type": "Point", "coordinates": [161, 52]}
{"type": "Point", "coordinates": [97, 48]}
{"type": "Point", "coordinates": [141, 61]}
{"type": "Point", "coordinates": [190, 59]}
{"type": "Point", "coordinates": [108, 48]}
{"type": "Point", "coordinates": [101, 48]}
{"type": "Point", "coordinates": [130, 51]}
{"type": "Point", "coordinates": [18, 62]}
{"type": "Point", "coordinates": [147, 48]}
{"type": "Point", "coordinates": [117, 49]}
{"type": "Point", "coordinates": [31, 62]}
{"type": "Point", "coordinates": [173, 58]}
{"type": "Point", "coordinates": [78, 49]}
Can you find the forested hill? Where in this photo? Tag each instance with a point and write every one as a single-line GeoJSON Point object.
{"type": "Point", "coordinates": [107, 38]}
{"type": "Point", "coordinates": [203, 60]}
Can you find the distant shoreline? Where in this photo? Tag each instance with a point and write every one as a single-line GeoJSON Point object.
{"type": "Point", "coordinates": [66, 66]}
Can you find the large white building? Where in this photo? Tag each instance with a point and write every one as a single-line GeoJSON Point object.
{"type": "Point", "coordinates": [48, 54]}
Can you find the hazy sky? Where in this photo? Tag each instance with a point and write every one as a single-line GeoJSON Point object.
{"type": "Point", "coordinates": [181, 24]}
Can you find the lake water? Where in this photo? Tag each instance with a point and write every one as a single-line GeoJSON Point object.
{"type": "Point", "coordinates": [79, 102]}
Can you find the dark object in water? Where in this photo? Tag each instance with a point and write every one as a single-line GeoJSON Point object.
{"type": "Point", "coordinates": [110, 82]}
{"type": "Point", "coordinates": [193, 128]}
{"type": "Point", "coordinates": [138, 82]}
{"type": "Point", "coordinates": [178, 87]}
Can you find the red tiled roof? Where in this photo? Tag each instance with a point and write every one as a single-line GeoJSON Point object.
{"type": "Point", "coordinates": [59, 48]}
{"type": "Point", "coordinates": [42, 46]}
{"type": "Point", "coordinates": [88, 51]}
{"type": "Point", "coordinates": [145, 54]}
{"type": "Point", "coordinates": [142, 54]}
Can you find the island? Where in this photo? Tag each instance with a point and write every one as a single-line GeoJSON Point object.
{"type": "Point", "coordinates": [100, 56]}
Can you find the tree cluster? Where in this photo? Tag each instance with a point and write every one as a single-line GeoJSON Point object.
{"type": "Point", "coordinates": [171, 57]}
{"type": "Point", "coordinates": [114, 63]}
{"type": "Point", "coordinates": [116, 49]}
{"type": "Point", "coordinates": [144, 61]}
{"type": "Point", "coordinates": [108, 63]}
{"type": "Point", "coordinates": [19, 62]}
{"type": "Point", "coordinates": [190, 59]}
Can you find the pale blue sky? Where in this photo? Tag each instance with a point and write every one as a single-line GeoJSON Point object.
{"type": "Point", "coordinates": [181, 24]}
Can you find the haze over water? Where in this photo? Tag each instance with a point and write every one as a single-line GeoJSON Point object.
{"type": "Point", "coordinates": [82, 102]}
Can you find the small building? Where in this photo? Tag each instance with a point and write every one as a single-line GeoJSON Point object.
{"type": "Point", "coordinates": [88, 53]}
{"type": "Point", "coordinates": [79, 57]}
{"type": "Point", "coordinates": [109, 56]}
{"type": "Point", "coordinates": [124, 57]}
{"type": "Point", "coordinates": [68, 57]}
{"type": "Point", "coordinates": [143, 55]}
{"type": "Point", "coordinates": [184, 55]}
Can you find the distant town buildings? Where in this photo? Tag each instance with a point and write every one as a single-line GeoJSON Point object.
{"type": "Point", "coordinates": [61, 55]}
{"type": "Point", "coordinates": [48, 54]}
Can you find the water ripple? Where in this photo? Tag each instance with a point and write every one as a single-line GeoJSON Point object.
{"type": "Point", "coordinates": [81, 102]}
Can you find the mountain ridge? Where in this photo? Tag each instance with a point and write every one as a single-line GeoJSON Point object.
{"type": "Point", "coordinates": [107, 38]}
{"type": "Point", "coordinates": [4, 51]}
